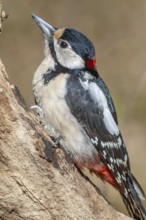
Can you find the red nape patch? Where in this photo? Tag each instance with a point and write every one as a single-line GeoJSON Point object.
{"type": "Point", "coordinates": [91, 64]}
{"type": "Point", "coordinates": [100, 170]}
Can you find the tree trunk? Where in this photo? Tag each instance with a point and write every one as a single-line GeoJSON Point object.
{"type": "Point", "coordinates": [40, 184]}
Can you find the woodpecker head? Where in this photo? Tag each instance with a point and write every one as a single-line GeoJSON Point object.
{"type": "Point", "coordinates": [69, 48]}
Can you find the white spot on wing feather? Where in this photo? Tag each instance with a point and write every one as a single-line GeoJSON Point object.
{"type": "Point", "coordinates": [111, 160]}
{"type": "Point", "coordinates": [104, 154]}
{"type": "Point", "coordinates": [94, 141]}
{"type": "Point", "coordinates": [119, 141]}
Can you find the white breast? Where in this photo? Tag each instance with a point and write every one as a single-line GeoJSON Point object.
{"type": "Point", "coordinates": [51, 98]}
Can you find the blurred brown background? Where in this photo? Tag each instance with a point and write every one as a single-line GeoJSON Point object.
{"type": "Point", "coordinates": [118, 31]}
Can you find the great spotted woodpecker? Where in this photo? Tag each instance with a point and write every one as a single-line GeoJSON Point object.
{"type": "Point", "coordinates": [77, 109]}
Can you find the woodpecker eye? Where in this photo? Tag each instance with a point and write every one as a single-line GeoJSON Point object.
{"type": "Point", "coordinates": [63, 44]}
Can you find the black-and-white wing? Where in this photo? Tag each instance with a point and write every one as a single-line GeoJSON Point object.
{"type": "Point", "coordinates": [90, 102]}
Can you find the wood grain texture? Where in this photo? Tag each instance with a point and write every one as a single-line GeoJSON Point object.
{"type": "Point", "coordinates": [44, 184]}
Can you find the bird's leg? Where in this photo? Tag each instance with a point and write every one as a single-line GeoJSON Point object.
{"type": "Point", "coordinates": [40, 112]}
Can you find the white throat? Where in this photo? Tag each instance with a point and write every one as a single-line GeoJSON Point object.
{"type": "Point", "coordinates": [46, 64]}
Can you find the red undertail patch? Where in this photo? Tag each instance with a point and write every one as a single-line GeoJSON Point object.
{"type": "Point", "coordinates": [100, 170]}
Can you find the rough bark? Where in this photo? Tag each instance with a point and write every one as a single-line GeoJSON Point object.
{"type": "Point", "coordinates": [44, 184]}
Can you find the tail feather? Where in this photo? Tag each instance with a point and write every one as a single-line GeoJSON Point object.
{"type": "Point", "coordinates": [138, 188]}
{"type": "Point", "coordinates": [132, 199]}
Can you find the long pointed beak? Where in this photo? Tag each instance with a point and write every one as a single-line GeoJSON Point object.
{"type": "Point", "coordinates": [46, 28]}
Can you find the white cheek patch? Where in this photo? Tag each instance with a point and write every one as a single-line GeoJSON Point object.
{"type": "Point", "coordinates": [67, 57]}
{"type": "Point", "coordinates": [98, 96]}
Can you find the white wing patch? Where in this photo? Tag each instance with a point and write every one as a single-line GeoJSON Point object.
{"type": "Point", "coordinates": [85, 84]}
{"type": "Point", "coordinates": [110, 122]}
{"type": "Point", "coordinates": [99, 98]}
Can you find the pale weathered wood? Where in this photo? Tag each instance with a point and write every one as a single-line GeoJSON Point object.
{"type": "Point", "coordinates": [0, 15]}
{"type": "Point", "coordinates": [32, 187]}
{"type": "Point", "coordinates": [3, 15]}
